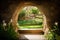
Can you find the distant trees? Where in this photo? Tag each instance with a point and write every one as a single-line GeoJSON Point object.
{"type": "Point", "coordinates": [27, 13]}
{"type": "Point", "coordinates": [34, 11]}
{"type": "Point", "coordinates": [22, 15]}
{"type": "Point", "coordinates": [30, 15]}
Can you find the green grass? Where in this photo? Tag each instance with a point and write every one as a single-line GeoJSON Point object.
{"type": "Point", "coordinates": [30, 22]}
{"type": "Point", "coordinates": [30, 26]}
{"type": "Point", "coordinates": [37, 23]}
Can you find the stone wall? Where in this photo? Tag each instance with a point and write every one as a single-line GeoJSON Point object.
{"type": "Point", "coordinates": [9, 9]}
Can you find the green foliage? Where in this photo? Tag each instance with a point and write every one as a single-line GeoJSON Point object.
{"type": "Point", "coordinates": [34, 11]}
{"type": "Point", "coordinates": [8, 33]}
{"type": "Point", "coordinates": [22, 14]}
{"type": "Point", "coordinates": [50, 35]}
{"type": "Point", "coordinates": [31, 18]}
{"type": "Point", "coordinates": [53, 33]}
{"type": "Point", "coordinates": [11, 32]}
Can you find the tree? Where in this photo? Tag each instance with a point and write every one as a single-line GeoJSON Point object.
{"type": "Point", "coordinates": [34, 11]}
{"type": "Point", "coordinates": [22, 15]}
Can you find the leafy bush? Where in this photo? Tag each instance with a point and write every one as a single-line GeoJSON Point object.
{"type": "Point", "coordinates": [34, 11]}
{"type": "Point", "coordinates": [50, 36]}
{"type": "Point", "coordinates": [21, 14]}
{"type": "Point", "coordinates": [53, 33]}
{"type": "Point", "coordinates": [8, 33]}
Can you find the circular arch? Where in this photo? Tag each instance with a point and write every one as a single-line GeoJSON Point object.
{"type": "Point", "coordinates": [21, 6]}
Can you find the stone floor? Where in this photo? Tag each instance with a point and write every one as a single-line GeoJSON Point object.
{"type": "Point", "coordinates": [32, 37]}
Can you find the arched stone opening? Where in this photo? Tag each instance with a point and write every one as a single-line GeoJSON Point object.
{"type": "Point", "coordinates": [20, 7]}
{"type": "Point", "coordinates": [12, 7]}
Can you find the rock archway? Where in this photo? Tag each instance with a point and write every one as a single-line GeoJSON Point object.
{"type": "Point", "coordinates": [20, 7]}
{"type": "Point", "coordinates": [10, 11]}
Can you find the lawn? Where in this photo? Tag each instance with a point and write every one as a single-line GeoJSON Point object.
{"type": "Point", "coordinates": [23, 24]}
{"type": "Point", "coordinates": [30, 26]}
